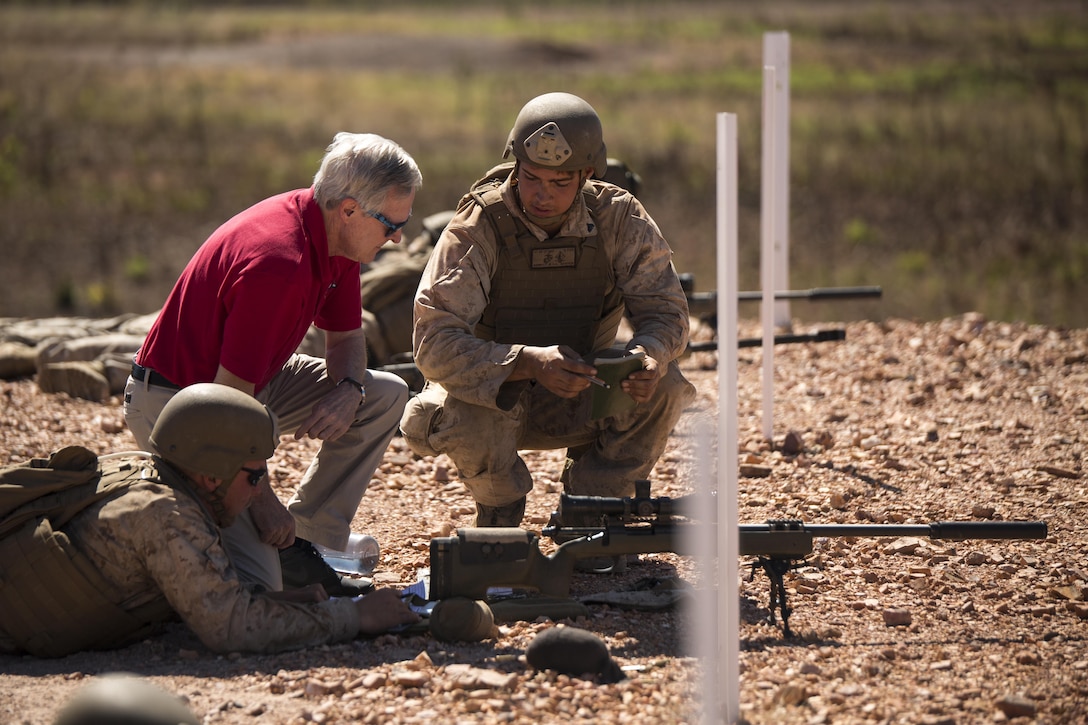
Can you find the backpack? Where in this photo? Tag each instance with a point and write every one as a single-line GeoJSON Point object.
{"type": "Point", "coordinates": [53, 600]}
{"type": "Point", "coordinates": [58, 487]}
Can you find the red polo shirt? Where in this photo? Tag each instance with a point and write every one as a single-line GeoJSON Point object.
{"type": "Point", "coordinates": [250, 293]}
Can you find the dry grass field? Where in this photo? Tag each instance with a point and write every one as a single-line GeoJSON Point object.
{"type": "Point", "coordinates": [938, 148]}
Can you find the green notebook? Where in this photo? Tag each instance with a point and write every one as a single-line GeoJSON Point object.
{"type": "Point", "coordinates": [613, 366]}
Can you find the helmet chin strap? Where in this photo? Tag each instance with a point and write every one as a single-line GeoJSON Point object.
{"type": "Point", "coordinates": [214, 501]}
{"type": "Point", "coordinates": [219, 511]}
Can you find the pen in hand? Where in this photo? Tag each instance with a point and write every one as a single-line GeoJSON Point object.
{"type": "Point", "coordinates": [597, 381]}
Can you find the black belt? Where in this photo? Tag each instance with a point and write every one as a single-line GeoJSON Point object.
{"type": "Point", "coordinates": [139, 373]}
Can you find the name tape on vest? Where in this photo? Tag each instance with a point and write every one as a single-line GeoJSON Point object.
{"type": "Point", "coordinates": [554, 257]}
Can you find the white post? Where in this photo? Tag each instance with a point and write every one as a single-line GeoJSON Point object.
{"type": "Point", "coordinates": [728, 534]}
{"type": "Point", "coordinates": [767, 252]}
{"type": "Point", "coordinates": [776, 53]}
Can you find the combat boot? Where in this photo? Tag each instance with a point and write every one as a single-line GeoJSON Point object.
{"type": "Point", "coordinates": [302, 565]}
{"type": "Point", "coordinates": [509, 515]}
{"type": "Point", "coordinates": [573, 454]}
{"type": "Point", "coordinates": [85, 380]}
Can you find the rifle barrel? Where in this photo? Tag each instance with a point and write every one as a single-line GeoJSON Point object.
{"type": "Point", "coordinates": [947, 530]}
{"type": "Point", "coordinates": [960, 530]}
{"type": "Point", "coordinates": [818, 336]}
{"type": "Point", "coordinates": [817, 293]}
{"type": "Point", "coordinates": [814, 294]}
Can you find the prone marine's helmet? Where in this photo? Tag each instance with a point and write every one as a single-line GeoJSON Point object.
{"type": "Point", "coordinates": [214, 430]}
{"type": "Point", "coordinates": [559, 131]}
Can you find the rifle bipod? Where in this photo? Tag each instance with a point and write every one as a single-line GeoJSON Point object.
{"type": "Point", "coordinates": [776, 567]}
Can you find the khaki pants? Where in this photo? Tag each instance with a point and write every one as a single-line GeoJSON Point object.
{"type": "Point", "coordinates": [332, 488]}
{"type": "Point", "coordinates": [484, 442]}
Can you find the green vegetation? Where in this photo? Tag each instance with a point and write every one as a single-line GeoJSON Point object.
{"type": "Point", "coordinates": [938, 149]}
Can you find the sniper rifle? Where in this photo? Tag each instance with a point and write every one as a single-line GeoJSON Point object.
{"type": "Point", "coordinates": [476, 560]}
{"type": "Point", "coordinates": [704, 305]}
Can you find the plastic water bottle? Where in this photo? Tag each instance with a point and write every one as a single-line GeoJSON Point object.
{"type": "Point", "coordinates": [360, 556]}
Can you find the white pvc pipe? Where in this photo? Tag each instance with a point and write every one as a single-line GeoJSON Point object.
{"type": "Point", "coordinates": [728, 534]}
{"type": "Point", "coordinates": [776, 53]}
{"type": "Point", "coordinates": [767, 252]}
{"type": "Point", "coordinates": [705, 637]}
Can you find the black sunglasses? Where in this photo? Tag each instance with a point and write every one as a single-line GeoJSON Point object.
{"type": "Point", "coordinates": [390, 227]}
{"type": "Point", "coordinates": [255, 475]}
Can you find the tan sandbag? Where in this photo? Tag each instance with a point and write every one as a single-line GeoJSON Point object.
{"type": "Point", "coordinates": [460, 619]}
{"type": "Point", "coordinates": [92, 347]}
{"type": "Point", "coordinates": [86, 380]}
{"type": "Point", "coordinates": [17, 360]}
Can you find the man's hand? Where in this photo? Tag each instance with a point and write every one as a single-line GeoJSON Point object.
{"type": "Point", "coordinates": [557, 368]}
{"type": "Point", "coordinates": [274, 522]}
{"type": "Point", "coordinates": [383, 609]}
{"type": "Point", "coordinates": [332, 415]}
{"type": "Point", "coordinates": [641, 384]}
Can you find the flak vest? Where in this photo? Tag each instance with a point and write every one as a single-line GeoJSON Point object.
{"type": "Point", "coordinates": [53, 600]}
{"type": "Point", "coordinates": [559, 291]}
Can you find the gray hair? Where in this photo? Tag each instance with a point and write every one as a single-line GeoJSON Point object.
{"type": "Point", "coordinates": [364, 167]}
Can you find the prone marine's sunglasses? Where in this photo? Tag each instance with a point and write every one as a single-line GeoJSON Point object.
{"type": "Point", "coordinates": [255, 475]}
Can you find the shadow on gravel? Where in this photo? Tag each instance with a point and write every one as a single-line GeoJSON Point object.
{"type": "Point", "coordinates": [808, 639]}
{"type": "Point", "coordinates": [852, 472]}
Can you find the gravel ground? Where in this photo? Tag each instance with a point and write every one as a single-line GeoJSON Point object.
{"type": "Point", "coordinates": [900, 423]}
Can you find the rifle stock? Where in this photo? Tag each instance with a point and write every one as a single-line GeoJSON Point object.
{"type": "Point", "coordinates": [476, 560]}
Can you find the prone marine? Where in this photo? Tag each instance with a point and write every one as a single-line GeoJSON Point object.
{"type": "Point", "coordinates": [121, 544]}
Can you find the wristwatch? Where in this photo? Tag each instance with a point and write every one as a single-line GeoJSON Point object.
{"type": "Point", "coordinates": [355, 384]}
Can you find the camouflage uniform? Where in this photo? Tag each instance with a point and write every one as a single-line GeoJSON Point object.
{"type": "Point", "coordinates": [470, 412]}
{"type": "Point", "coordinates": [156, 541]}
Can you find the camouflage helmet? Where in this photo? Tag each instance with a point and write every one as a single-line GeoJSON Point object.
{"type": "Point", "coordinates": [559, 131]}
{"type": "Point", "coordinates": [214, 429]}
{"type": "Point", "coordinates": [122, 699]}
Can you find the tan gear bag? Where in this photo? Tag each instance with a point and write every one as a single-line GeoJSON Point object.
{"type": "Point", "coordinates": [53, 601]}
{"type": "Point", "coordinates": [61, 486]}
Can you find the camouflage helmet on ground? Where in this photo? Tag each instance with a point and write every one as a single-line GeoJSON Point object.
{"type": "Point", "coordinates": [214, 430]}
{"type": "Point", "coordinates": [122, 699]}
{"type": "Point", "coordinates": [559, 131]}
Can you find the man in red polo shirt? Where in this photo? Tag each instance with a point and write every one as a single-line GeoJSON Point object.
{"type": "Point", "coordinates": [238, 313]}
